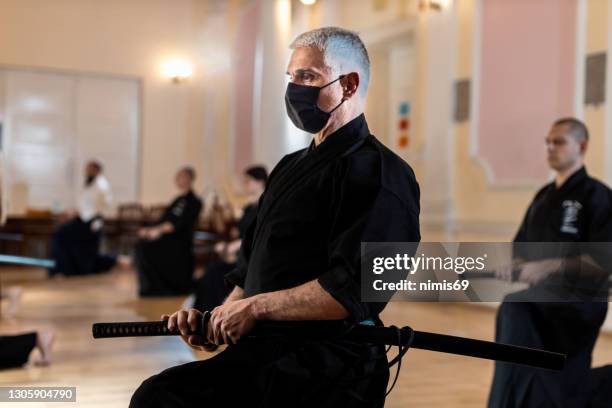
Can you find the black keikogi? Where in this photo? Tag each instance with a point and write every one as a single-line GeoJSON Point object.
{"type": "Point", "coordinates": [320, 204]}
{"type": "Point", "coordinates": [579, 211]}
{"type": "Point", "coordinates": [165, 265]}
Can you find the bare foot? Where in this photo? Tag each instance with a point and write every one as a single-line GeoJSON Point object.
{"type": "Point", "coordinates": [13, 294]}
{"type": "Point", "coordinates": [44, 343]}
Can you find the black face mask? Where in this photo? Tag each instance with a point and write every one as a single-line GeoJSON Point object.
{"type": "Point", "coordinates": [302, 108]}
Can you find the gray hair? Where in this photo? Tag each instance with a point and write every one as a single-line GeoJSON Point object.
{"type": "Point", "coordinates": [343, 51]}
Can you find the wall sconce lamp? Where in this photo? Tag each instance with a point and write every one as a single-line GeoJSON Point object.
{"type": "Point", "coordinates": [436, 5]}
{"type": "Point", "coordinates": [308, 2]}
{"type": "Point", "coordinates": [177, 70]}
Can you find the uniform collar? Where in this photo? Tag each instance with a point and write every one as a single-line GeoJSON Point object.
{"type": "Point", "coordinates": [347, 135]}
{"type": "Point", "coordinates": [577, 177]}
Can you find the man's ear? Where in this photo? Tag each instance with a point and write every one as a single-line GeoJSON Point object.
{"type": "Point", "coordinates": [350, 85]}
{"type": "Point", "coordinates": [583, 147]}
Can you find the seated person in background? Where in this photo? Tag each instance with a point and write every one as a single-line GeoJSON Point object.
{"type": "Point", "coordinates": [573, 208]}
{"type": "Point", "coordinates": [75, 244]}
{"type": "Point", "coordinates": [164, 255]}
{"type": "Point", "coordinates": [211, 289]}
{"type": "Point", "coordinates": [15, 350]}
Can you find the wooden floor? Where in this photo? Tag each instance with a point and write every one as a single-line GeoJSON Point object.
{"type": "Point", "coordinates": [106, 372]}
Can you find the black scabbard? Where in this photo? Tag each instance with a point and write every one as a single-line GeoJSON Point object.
{"type": "Point", "coordinates": [341, 330]}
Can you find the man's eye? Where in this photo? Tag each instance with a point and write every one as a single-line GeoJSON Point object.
{"type": "Point", "coordinates": [555, 142]}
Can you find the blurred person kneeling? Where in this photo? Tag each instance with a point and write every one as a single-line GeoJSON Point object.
{"type": "Point", "coordinates": [164, 254]}
{"type": "Point", "coordinates": [75, 244]}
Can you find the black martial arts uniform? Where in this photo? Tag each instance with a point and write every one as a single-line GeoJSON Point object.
{"type": "Point", "coordinates": [165, 265]}
{"type": "Point", "coordinates": [320, 204]}
{"type": "Point", "coordinates": [75, 248]}
{"type": "Point", "coordinates": [579, 211]}
{"type": "Point", "coordinates": [15, 350]}
{"type": "Point", "coordinates": [249, 214]}
{"type": "Point", "coordinates": [212, 289]}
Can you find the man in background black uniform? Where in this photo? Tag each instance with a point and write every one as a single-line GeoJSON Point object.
{"type": "Point", "coordinates": [164, 255]}
{"type": "Point", "coordinates": [573, 208]}
{"type": "Point", "coordinates": [301, 259]}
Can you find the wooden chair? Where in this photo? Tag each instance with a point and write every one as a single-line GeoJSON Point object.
{"type": "Point", "coordinates": [155, 212]}
{"type": "Point", "coordinates": [218, 224]}
{"type": "Point", "coordinates": [130, 217]}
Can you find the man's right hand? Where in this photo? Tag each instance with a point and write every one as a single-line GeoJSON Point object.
{"type": "Point", "coordinates": [187, 322]}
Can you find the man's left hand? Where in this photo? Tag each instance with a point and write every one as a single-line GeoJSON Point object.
{"type": "Point", "coordinates": [231, 321]}
{"type": "Point", "coordinates": [536, 271]}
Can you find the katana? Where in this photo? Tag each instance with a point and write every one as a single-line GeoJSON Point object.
{"type": "Point", "coordinates": [404, 337]}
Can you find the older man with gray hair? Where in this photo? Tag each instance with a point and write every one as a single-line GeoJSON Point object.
{"type": "Point", "coordinates": [300, 259]}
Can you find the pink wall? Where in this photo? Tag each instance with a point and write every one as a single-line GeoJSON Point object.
{"type": "Point", "coordinates": [527, 81]}
{"type": "Point", "coordinates": [242, 86]}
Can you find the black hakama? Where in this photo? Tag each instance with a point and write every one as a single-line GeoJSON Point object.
{"type": "Point", "coordinates": [75, 248]}
{"type": "Point", "coordinates": [15, 350]}
{"type": "Point", "coordinates": [165, 265]}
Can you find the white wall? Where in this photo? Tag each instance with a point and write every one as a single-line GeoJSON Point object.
{"type": "Point", "coordinates": [130, 38]}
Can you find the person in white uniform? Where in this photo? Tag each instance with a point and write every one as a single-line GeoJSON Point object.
{"type": "Point", "coordinates": [75, 245]}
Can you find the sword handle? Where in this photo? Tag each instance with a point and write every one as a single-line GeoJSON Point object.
{"type": "Point", "coordinates": [144, 329]}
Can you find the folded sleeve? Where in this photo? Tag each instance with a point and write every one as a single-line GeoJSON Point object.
{"type": "Point", "coordinates": [366, 210]}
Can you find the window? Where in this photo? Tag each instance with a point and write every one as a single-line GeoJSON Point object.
{"type": "Point", "coordinates": [53, 123]}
